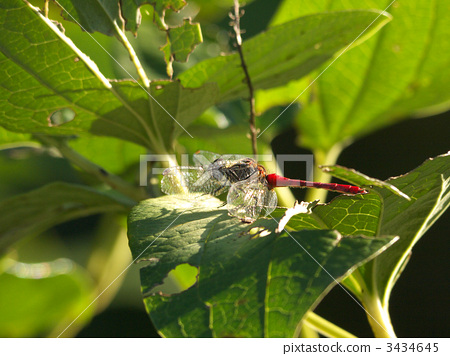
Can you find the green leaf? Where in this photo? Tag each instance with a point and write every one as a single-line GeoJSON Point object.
{"type": "Point", "coordinates": [8, 137]}
{"type": "Point", "coordinates": [42, 72]}
{"type": "Point", "coordinates": [429, 189]}
{"type": "Point", "coordinates": [214, 139]}
{"type": "Point", "coordinates": [251, 282]}
{"type": "Point", "coordinates": [92, 16]}
{"type": "Point", "coordinates": [131, 12]}
{"type": "Point", "coordinates": [112, 154]}
{"type": "Point", "coordinates": [386, 212]}
{"type": "Point", "coordinates": [283, 53]}
{"type": "Point", "coordinates": [31, 213]}
{"type": "Point", "coordinates": [357, 178]}
{"type": "Point", "coordinates": [350, 215]}
{"type": "Point", "coordinates": [41, 299]}
{"type": "Point", "coordinates": [170, 109]}
{"type": "Point", "coordinates": [102, 16]}
{"type": "Point", "coordinates": [181, 41]}
{"type": "Point", "coordinates": [399, 72]}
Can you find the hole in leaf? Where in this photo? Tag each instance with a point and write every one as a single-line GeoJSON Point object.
{"type": "Point", "coordinates": [60, 117]}
{"type": "Point", "coordinates": [258, 231]}
{"type": "Point", "coordinates": [181, 278]}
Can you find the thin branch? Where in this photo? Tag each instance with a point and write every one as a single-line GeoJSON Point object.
{"type": "Point", "coordinates": [237, 30]}
{"type": "Point", "coordinates": [46, 8]}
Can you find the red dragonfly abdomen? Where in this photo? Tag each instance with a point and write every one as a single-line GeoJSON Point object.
{"type": "Point", "coordinates": [275, 180]}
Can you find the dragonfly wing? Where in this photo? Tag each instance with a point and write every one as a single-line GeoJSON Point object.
{"type": "Point", "coordinates": [184, 180]}
{"type": "Point", "coordinates": [270, 202]}
{"type": "Point", "coordinates": [204, 158]}
{"type": "Point", "coordinates": [248, 200]}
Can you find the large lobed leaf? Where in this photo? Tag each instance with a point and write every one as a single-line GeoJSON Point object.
{"type": "Point", "coordinates": [399, 72]}
{"type": "Point", "coordinates": [42, 72]}
{"type": "Point", "coordinates": [251, 282]}
{"type": "Point", "coordinates": [284, 52]}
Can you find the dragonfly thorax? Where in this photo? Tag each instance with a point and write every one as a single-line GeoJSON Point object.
{"type": "Point", "coordinates": [234, 171]}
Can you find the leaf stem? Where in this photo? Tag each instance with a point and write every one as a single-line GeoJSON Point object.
{"type": "Point", "coordinates": [378, 316]}
{"type": "Point", "coordinates": [134, 58]}
{"type": "Point", "coordinates": [140, 70]}
{"type": "Point", "coordinates": [307, 332]}
{"type": "Point", "coordinates": [46, 8]}
{"type": "Point", "coordinates": [86, 165]}
{"type": "Point", "coordinates": [355, 283]}
{"type": "Point", "coordinates": [325, 327]}
{"type": "Point", "coordinates": [236, 27]}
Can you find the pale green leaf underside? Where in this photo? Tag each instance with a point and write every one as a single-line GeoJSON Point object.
{"type": "Point", "coordinates": [233, 296]}
{"type": "Point", "coordinates": [284, 52]}
{"type": "Point", "coordinates": [397, 73]}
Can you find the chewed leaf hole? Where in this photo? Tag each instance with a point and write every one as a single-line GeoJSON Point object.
{"type": "Point", "coordinates": [181, 278]}
{"type": "Point", "coordinates": [60, 117]}
{"type": "Point", "coordinates": [258, 231]}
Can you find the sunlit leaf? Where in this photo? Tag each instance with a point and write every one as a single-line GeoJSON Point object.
{"type": "Point", "coordinates": [43, 72]}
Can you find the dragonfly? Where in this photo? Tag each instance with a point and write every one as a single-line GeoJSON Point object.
{"type": "Point", "coordinates": [250, 188]}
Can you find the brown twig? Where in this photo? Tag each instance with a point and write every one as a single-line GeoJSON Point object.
{"type": "Point", "coordinates": [237, 30]}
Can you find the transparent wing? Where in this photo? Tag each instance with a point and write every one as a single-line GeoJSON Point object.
{"type": "Point", "coordinates": [184, 180]}
{"type": "Point", "coordinates": [248, 200]}
{"type": "Point", "coordinates": [205, 158]}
